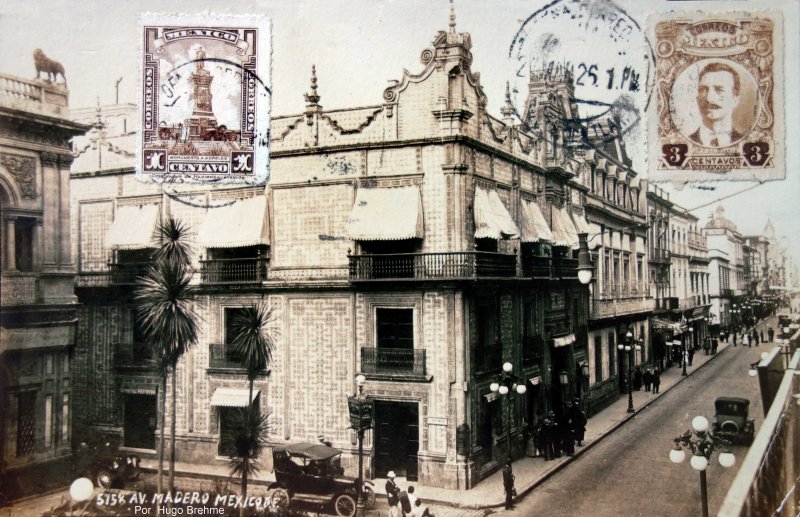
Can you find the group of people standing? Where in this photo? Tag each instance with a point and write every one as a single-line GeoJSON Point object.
{"type": "Point", "coordinates": [404, 503]}
{"type": "Point", "coordinates": [650, 379]}
{"type": "Point", "coordinates": [748, 337]}
{"type": "Point", "coordinates": [556, 435]}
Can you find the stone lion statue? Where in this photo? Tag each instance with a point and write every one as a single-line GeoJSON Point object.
{"type": "Point", "coordinates": [48, 66]}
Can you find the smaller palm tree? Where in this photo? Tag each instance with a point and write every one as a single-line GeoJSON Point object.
{"type": "Point", "coordinates": [248, 433]}
{"type": "Point", "coordinates": [253, 345]}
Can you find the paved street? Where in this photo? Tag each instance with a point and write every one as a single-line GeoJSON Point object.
{"type": "Point", "coordinates": [631, 470]}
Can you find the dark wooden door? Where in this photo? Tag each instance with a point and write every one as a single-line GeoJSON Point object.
{"type": "Point", "coordinates": [396, 438]}
{"type": "Point", "coordinates": [140, 421]}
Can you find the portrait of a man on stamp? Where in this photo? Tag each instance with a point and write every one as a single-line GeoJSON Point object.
{"type": "Point", "coordinates": [204, 99]}
{"type": "Point", "coordinates": [718, 98]}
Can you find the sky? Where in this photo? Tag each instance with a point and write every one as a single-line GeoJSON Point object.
{"type": "Point", "coordinates": [358, 46]}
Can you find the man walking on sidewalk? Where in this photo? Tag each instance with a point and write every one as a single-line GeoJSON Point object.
{"type": "Point", "coordinates": [656, 380]}
{"type": "Point", "coordinates": [508, 484]}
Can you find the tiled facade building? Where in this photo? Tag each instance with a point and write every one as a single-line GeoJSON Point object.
{"type": "Point", "coordinates": [39, 308]}
{"type": "Point", "coordinates": [419, 241]}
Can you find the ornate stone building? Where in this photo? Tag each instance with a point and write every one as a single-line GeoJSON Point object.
{"type": "Point", "coordinates": [419, 241]}
{"type": "Point", "coordinates": [39, 308]}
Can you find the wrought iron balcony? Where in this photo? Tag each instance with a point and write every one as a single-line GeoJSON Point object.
{"type": "Point", "coordinates": [233, 271]}
{"type": "Point", "coordinates": [134, 355]}
{"type": "Point", "coordinates": [432, 266]}
{"type": "Point", "coordinates": [126, 273]}
{"type": "Point", "coordinates": [393, 361]}
{"type": "Point", "coordinates": [549, 268]}
{"type": "Point", "coordinates": [223, 357]}
{"type": "Point", "coordinates": [659, 255]}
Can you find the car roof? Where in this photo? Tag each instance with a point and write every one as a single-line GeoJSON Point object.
{"type": "Point", "coordinates": [313, 451]}
{"type": "Point", "coordinates": [728, 400]}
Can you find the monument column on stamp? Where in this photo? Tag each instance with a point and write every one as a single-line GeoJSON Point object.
{"type": "Point", "coordinates": [202, 119]}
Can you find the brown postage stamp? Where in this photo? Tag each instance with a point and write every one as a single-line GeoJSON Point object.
{"type": "Point", "coordinates": [204, 98]}
{"type": "Point", "coordinates": [718, 110]}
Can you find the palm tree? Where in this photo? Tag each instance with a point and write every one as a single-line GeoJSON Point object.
{"type": "Point", "coordinates": [253, 345]}
{"type": "Point", "coordinates": [248, 432]}
{"type": "Point", "coordinates": [164, 306]}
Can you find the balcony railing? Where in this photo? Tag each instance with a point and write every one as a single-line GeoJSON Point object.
{"type": "Point", "coordinates": [126, 273]}
{"type": "Point", "coordinates": [427, 266]}
{"type": "Point", "coordinates": [610, 291]}
{"type": "Point", "coordinates": [233, 271]}
{"type": "Point", "coordinates": [393, 361]}
{"type": "Point", "coordinates": [549, 268]}
{"type": "Point", "coordinates": [620, 307]}
{"type": "Point", "coordinates": [659, 255]}
{"type": "Point", "coordinates": [222, 356]}
{"type": "Point", "coordinates": [133, 355]}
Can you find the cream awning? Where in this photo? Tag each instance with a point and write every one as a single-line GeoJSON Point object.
{"type": "Point", "coordinates": [242, 223]}
{"type": "Point", "coordinates": [133, 228]}
{"type": "Point", "coordinates": [564, 341]}
{"type": "Point", "coordinates": [232, 397]}
{"type": "Point", "coordinates": [564, 231]}
{"type": "Point", "coordinates": [492, 220]}
{"type": "Point", "coordinates": [533, 227]}
{"type": "Point", "coordinates": [581, 224]}
{"type": "Point", "coordinates": [138, 390]}
{"type": "Point", "coordinates": [595, 236]}
{"type": "Point", "coordinates": [386, 214]}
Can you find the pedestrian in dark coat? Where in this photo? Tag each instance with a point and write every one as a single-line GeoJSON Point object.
{"type": "Point", "coordinates": [567, 441]}
{"type": "Point", "coordinates": [508, 484]}
{"type": "Point", "coordinates": [554, 435]}
{"type": "Point", "coordinates": [734, 339]}
{"type": "Point", "coordinates": [578, 420]}
{"type": "Point", "coordinates": [647, 378]}
{"type": "Point", "coordinates": [637, 379]}
{"type": "Point", "coordinates": [714, 345]}
{"type": "Point", "coordinates": [771, 334]}
{"type": "Point", "coordinates": [656, 380]}
{"type": "Point", "coordinates": [761, 335]}
{"type": "Point", "coordinates": [691, 354]}
{"type": "Point", "coordinates": [755, 337]}
{"type": "Point", "coordinates": [393, 495]}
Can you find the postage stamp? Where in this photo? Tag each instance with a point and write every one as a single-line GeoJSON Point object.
{"type": "Point", "coordinates": [204, 98]}
{"type": "Point", "coordinates": [718, 110]}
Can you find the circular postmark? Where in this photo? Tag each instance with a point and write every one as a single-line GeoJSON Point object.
{"type": "Point", "coordinates": [603, 53]}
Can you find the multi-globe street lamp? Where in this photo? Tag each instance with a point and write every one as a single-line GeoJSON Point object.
{"type": "Point", "coordinates": [700, 442]}
{"type": "Point", "coordinates": [629, 347]}
{"type": "Point", "coordinates": [360, 419]}
{"type": "Point", "coordinates": [507, 384]}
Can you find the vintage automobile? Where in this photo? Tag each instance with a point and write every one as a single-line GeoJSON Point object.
{"type": "Point", "coordinates": [312, 473]}
{"type": "Point", "coordinates": [102, 462]}
{"type": "Point", "coordinates": [730, 420]}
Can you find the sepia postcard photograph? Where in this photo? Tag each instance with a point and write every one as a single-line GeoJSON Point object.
{"type": "Point", "coordinates": [399, 258]}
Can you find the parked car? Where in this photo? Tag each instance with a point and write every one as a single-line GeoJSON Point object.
{"type": "Point", "coordinates": [103, 463]}
{"type": "Point", "coordinates": [312, 473]}
{"type": "Point", "coordinates": [730, 420]}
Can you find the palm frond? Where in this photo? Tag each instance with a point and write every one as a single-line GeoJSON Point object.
{"type": "Point", "coordinates": [249, 434]}
{"type": "Point", "coordinates": [174, 246]}
{"type": "Point", "coordinates": [253, 343]}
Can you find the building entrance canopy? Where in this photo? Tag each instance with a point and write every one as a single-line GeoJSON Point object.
{"type": "Point", "coordinates": [232, 397]}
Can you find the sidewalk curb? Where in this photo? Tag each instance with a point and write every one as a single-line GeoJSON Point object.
{"type": "Point", "coordinates": [578, 452]}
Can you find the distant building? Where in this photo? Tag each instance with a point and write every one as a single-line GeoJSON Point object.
{"type": "Point", "coordinates": [39, 309]}
{"type": "Point", "coordinates": [726, 267]}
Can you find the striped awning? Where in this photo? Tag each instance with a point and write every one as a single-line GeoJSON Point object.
{"type": "Point", "coordinates": [564, 231]}
{"type": "Point", "coordinates": [492, 220]}
{"type": "Point", "coordinates": [242, 223]}
{"type": "Point", "coordinates": [595, 236]}
{"type": "Point", "coordinates": [386, 214]}
{"type": "Point", "coordinates": [564, 341]}
{"type": "Point", "coordinates": [533, 227]}
{"type": "Point", "coordinates": [138, 390]}
{"type": "Point", "coordinates": [133, 228]}
{"type": "Point", "coordinates": [232, 397]}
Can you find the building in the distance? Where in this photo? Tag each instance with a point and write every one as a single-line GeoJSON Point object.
{"type": "Point", "coordinates": [726, 267]}
{"type": "Point", "coordinates": [37, 325]}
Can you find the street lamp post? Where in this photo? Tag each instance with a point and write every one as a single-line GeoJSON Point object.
{"type": "Point", "coordinates": [700, 442]}
{"type": "Point", "coordinates": [629, 346]}
{"type": "Point", "coordinates": [360, 420]}
{"type": "Point", "coordinates": [507, 384]}
{"type": "Point", "coordinates": [683, 355]}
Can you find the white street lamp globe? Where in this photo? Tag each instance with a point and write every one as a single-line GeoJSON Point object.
{"type": "Point", "coordinates": [585, 276]}
{"type": "Point", "coordinates": [727, 459]}
{"type": "Point", "coordinates": [81, 489]}
{"type": "Point", "coordinates": [494, 386]}
{"type": "Point", "coordinates": [621, 346]}
{"type": "Point", "coordinates": [753, 372]}
{"type": "Point", "coordinates": [521, 389]}
{"type": "Point", "coordinates": [677, 455]}
{"type": "Point", "coordinates": [503, 390]}
{"type": "Point", "coordinates": [764, 355]}
{"type": "Point", "coordinates": [638, 347]}
{"type": "Point", "coordinates": [698, 462]}
{"type": "Point", "coordinates": [628, 334]}
{"type": "Point", "coordinates": [360, 379]}
{"type": "Point", "coordinates": [700, 424]}
{"type": "Point", "coordinates": [507, 367]}
{"type": "Point", "coordinates": [627, 348]}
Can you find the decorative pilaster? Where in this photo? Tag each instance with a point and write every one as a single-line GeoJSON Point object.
{"type": "Point", "coordinates": [10, 244]}
{"type": "Point", "coordinates": [36, 249]}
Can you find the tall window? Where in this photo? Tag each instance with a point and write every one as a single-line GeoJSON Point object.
{"type": "Point", "coordinates": [26, 422]}
{"type": "Point", "coordinates": [532, 342]}
{"type": "Point", "coordinates": [65, 418]}
{"type": "Point", "coordinates": [395, 328]}
{"type": "Point", "coordinates": [598, 358]}
{"type": "Point", "coordinates": [626, 272]}
{"type": "Point", "coordinates": [48, 421]}
{"type": "Point", "coordinates": [612, 355]}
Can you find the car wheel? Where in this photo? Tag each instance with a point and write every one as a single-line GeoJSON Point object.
{"type": "Point", "coordinates": [104, 478]}
{"type": "Point", "coordinates": [369, 497]}
{"type": "Point", "coordinates": [345, 505]}
{"type": "Point", "coordinates": [729, 426]}
{"type": "Point", "coordinates": [280, 499]}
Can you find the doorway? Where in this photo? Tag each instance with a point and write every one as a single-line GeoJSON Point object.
{"type": "Point", "coordinates": [396, 438]}
{"type": "Point", "coordinates": [140, 421]}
